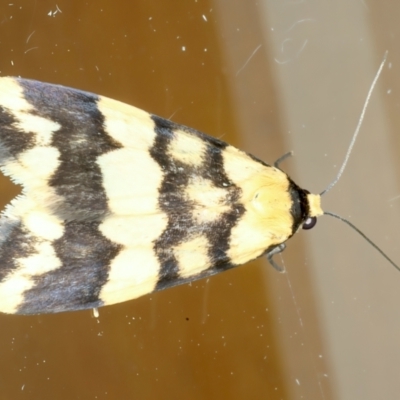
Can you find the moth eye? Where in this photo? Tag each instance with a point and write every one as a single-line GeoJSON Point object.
{"type": "Point", "coordinates": [309, 222]}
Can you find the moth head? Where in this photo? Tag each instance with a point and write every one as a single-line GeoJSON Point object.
{"type": "Point", "coordinates": [315, 210]}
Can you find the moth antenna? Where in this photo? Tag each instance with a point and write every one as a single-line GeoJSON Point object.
{"type": "Point", "coordinates": [349, 150]}
{"type": "Point", "coordinates": [283, 158]}
{"type": "Point", "coordinates": [356, 132]}
{"type": "Point", "coordinates": [364, 236]}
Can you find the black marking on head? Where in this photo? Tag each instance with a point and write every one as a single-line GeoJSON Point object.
{"type": "Point", "coordinates": [181, 224]}
{"type": "Point", "coordinates": [85, 255]}
{"type": "Point", "coordinates": [80, 141]}
{"type": "Point", "coordinates": [300, 209]}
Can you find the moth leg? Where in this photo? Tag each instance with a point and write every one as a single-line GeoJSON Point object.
{"type": "Point", "coordinates": [276, 250]}
{"type": "Point", "coordinates": [282, 158]}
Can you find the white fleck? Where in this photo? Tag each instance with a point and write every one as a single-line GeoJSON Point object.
{"type": "Point", "coordinates": [204, 17]}
{"type": "Point", "coordinates": [298, 382]}
{"type": "Point", "coordinates": [394, 198]}
{"type": "Point", "coordinates": [183, 48]}
{"type": "Point", "coordinates": [53, 13]}
{"type": "Point", "coordinates": [29, 37]}
{"type": "Point", "coordinates": [248, 60]}
{"type": "Point", "coordinates": [301, 21]}
{"type": "Point", "coordinates": [32, 48]}
{"type": "Point", "coordinates": [389, 91]}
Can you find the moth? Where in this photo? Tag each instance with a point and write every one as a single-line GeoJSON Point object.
{"type": "Point", "coordinates": [117, 203]}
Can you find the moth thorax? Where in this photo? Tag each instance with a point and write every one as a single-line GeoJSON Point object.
{"type": "Point", "coordinates": [271, 205]}
{"type": "Point", "coordinates": [266, 200]}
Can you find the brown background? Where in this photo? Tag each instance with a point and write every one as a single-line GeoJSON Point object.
{"type": "Point", "coordinates": [268, 77]}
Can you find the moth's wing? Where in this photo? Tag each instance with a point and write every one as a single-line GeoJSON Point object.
{"type": "Point", "coordinates": [116, 202]}
{"type": "Point", "coordinates": [53, 253]}
{"type": "Point", "coordinates": [208, 208]}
